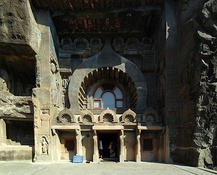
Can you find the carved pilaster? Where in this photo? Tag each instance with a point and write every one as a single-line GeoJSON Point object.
{"type": "Point", "coordinates": [138, 148]}
{"type": "Point", "coordinates": [121, 158]}
{"type": "Point", "coordinates": [78, 142]}
{"type": "Point", "coordinates": [95, 147]}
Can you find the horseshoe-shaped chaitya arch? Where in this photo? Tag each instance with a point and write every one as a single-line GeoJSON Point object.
{"type": "Point", "coordinates": [107, 62]}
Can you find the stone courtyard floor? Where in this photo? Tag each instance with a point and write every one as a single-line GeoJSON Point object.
{"type": "Point", "coordinates": [102, 168]}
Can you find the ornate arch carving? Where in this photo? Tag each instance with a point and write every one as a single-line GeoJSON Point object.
{"type": "Point", "coordinates": [66, 43]}
{"type": "Point", "coordinates": [81, 44]}
{"type": "Point", "coordinates": [118, 64]}
{"type": "Point", "coordinates": [65, 116]}
{"type": "Point", "coordinates": [129, 115]}
{"type": "Point", "coordinates": [150, 116]}
{"type": "Point", "coordinates": [132, 43]}
{"type": "Point", "coordinates": [86, 115]}
{"type": "Point", "coordinates": [106, 114]}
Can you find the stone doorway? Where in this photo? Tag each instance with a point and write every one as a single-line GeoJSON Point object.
{"type": "Point", "coordinates": [110, 144]}
{"type": "Point", "coordinates": [67, 144]}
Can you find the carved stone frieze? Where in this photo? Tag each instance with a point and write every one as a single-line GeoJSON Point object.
{"type": "Point", "coordinates": [129, 116]}
{"type": "Point", "coordinates": [95, 45]}
{"type": "Point", "coordinates": [65, 116]}
{"type": "Point", "coordinates": [150, 117]}
{"type": "Point", "coordinates": [79, 46]}
{"type": "Point", "coordinates": [87, 116]}
{"type": "Point", "coordinates": [118, 44]}
{"type": "Point", "coordinates": [108, 116]}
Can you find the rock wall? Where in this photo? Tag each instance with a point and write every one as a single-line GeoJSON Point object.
{"type": "Point", "coordinates": [193, 141]}
{"type": "Point", "coordinates": [18, 30]}
{"type": "Point", "coordinates": [206, 121]}
{"type": "Point", "coordinates": [185, 93]}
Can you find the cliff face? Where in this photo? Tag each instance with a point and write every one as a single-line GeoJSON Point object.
{"type": "Point", "coordinates": [19, 43]}
{"type": "Point", "coordinates": [194, 140]}
{"type": "Point", "coordinates": [18, 28]}
{"type": "Point", "coordinates": [206, 119]}
{"type": "Point", "coordinates": [187, 72]}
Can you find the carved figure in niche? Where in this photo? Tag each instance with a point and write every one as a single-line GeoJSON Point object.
{"type": "Point", "coordinates": [118, 44]}
{"type": "Point", "coordinates": [4, 81]}
{"type": "Point", "coordinates": [65, 81]}
{"type": "Point", "coordinates": [44, 145]}
{"type": "Point", "coordinates": [53, 68]}
{"type": "Point", "coordinates": [56, 96]}
{"type": "Point", "coordinates": [96, 44]}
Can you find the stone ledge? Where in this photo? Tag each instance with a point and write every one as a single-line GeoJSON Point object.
{"type": "Point", "coordinates": [104, 127]}
{"type": "Point", "coordinates": [11, 153]}
{"type": "Point", "coordinates": [155, 128]}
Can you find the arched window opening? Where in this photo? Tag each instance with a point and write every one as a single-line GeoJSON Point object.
{"type": "Point", "coordinates": [108, 100]}
{"type": "Point", "coordinates": [107, 95]}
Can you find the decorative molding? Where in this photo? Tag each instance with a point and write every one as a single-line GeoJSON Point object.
{"type": "Point", "coordinates": [81, 44]}
{"type": "Point", "coordinates": [108, 112]}
{"type": "Point", "coordinates": [150, 116]}
{"type": "Point", "coordinates": [86, 113]}
{"type": "Point", "coordinates": [65, 116]}
{"type": "Point", "coordinates": [129, 116]}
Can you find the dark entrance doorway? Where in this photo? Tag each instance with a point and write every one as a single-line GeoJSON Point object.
{"type": "Point", "coordinates": [110, 145]}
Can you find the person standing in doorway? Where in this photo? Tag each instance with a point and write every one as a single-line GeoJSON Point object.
{"type": "Point", "coordinates": [100, 149]}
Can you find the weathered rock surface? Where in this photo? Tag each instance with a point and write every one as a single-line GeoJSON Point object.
{"type": "Point", "coordinates": [14, 106]}
{"type": "Point", "coordinates": [19, 34]}
{"type": "Point", "coordinates": [195, 142]}
{"type": "Point", "coordinates": [184, 66]}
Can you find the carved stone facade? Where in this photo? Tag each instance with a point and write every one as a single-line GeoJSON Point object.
{"type": "Point", "coordinates": [141, 76]}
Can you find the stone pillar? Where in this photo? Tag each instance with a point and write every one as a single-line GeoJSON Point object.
{"type": "Point", "coordinates": [121, 158]}
{"type": "Point", "coordinates": [45, 95]}
{"type": "Point", "coordinates": [95, 147]}
{"type": "Point", "coordinates": [78, 142]}
{"type": "Point", "coordinates": [138, 148]}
